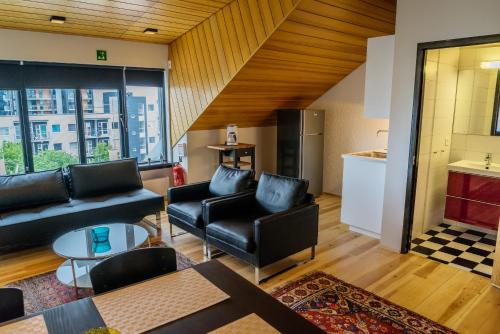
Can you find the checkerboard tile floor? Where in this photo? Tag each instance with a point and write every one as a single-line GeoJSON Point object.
{"type": "Point", "coordinates": [459, 247]}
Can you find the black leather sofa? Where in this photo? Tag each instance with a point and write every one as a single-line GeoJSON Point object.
{"type": "Point", "coordinates": [262, 227]}
{"type": "Point", "coordinates": [185, 202]}
{"type": "Point", "coordinates": [37, 208]}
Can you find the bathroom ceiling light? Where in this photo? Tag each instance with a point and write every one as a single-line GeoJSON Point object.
{"type": "Point", "coordinates": [490, 64]}
{"type": "Point", "coordinates": [150, 31]}
{"type": "Point", "coordinates": [58, 19]}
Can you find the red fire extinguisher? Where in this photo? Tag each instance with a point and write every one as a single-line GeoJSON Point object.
{"type": "Point", "coordinates": [178, 173]}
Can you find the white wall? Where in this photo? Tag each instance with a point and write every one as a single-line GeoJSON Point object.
{"type": "Point", "coordinates": [201, 162]}
{"type": "Point", "coordinates": [48, 47]}
{"type": "Point", "coordinates": [346, 128]}
{"type": "Point", "coordinates": [421, 21]}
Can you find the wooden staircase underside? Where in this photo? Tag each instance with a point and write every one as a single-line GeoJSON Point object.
{"type": "Point", "coordinates": [305, 48]}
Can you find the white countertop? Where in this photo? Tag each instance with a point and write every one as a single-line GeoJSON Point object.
{"type": "Point", "coordinates": [475, 167]}
{"type": "Point", "coordinates": [378, 155]}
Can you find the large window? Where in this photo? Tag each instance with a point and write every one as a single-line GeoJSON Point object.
{"type": "Point", "coordinates": [101, 107]}
{"type": "Point", "coordinates": [47, 110]}
{"type": "Point", "coordinates": [54, 115]}
{"type": "Point", "coordinates": [145, 119]}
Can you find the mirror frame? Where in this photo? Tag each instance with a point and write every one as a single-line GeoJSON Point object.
{"type": "Point", "coordinates": [495, 130]}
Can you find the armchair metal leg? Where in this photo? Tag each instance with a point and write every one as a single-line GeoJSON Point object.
{"type": "Point", "coordinates": [158, 221]}
{"type": "Point", "coordinates": [170, 230]}
{"type": "Point", "coordinates": [257, 276]}
{"type": "Point", "coordinates": [209, 251]}
{"type": "Point", "coordinates": [205, 248]}
{"type": "Point", "coordinates": [313, 252]}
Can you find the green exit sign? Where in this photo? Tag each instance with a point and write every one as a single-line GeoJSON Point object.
{"type": "Point", "coordinates": [102, 55]}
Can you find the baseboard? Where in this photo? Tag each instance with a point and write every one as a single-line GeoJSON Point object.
{"type": "Point", "coordinates": [468, 226]}
{"type": "Point", "coordinates": [365, 232]}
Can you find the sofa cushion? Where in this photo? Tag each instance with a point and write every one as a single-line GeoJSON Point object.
{"type": "Point", "coordinates": [104, 178]}
{"type": "Point", "coordinates": [228, 181]}
{"type": "Point", "coordinates": [237, 232]}
{"type": "Point", "coordinates": [277, 193]}
{"type": "Point", "coordinates": [31, 190]}
{"type": "Point", "coordinates": [189, 212]}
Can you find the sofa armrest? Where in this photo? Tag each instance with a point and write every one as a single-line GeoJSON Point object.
{"type": "Point", "coordinates": [189, 192]}
{"type": "Point", "coordinates": [228, 206]}
{"type": "Point", "coordinates": [284, 233]}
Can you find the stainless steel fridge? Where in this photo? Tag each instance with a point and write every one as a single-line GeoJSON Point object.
{"type": "Point", "coordinates": [300, 146]}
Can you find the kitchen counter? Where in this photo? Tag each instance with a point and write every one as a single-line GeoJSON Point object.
{"type": "Point", "coordinates": [363, 191]}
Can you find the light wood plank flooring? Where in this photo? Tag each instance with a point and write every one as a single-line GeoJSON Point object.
{"type": "Point", "coordinates": [461, 300]}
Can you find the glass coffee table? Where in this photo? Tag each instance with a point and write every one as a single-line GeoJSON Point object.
{"type": "Point", "coordinates": [82, 253]}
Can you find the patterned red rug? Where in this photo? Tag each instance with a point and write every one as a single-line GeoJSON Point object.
{"type": "Point", "coordinates": [45, 291]}
{"type": "Point", "coordinates": [338, 307]}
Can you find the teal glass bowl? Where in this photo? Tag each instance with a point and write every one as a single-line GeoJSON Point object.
{"type": "Point", "coordinates": [100, 234]}
{"type": "Point", "coordinates": [101, 247]}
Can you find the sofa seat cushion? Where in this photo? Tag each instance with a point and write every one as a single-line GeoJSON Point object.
{"type": "Point", "coordinates": [189, 212]}
{"type": "Point", "coordinates": [97, 210]}
{"type": "Point", "coordinates": [237, 232]}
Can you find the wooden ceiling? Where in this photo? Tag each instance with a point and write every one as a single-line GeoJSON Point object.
{"type": "Point", "coordinates": [315, 46]}
{"type": "Point", "coordinates": [122, 19]}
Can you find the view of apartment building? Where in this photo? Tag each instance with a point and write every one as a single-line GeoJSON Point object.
{"type": "Point", "coordinates": [54, 126]}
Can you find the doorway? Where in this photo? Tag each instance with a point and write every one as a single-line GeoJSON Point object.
{"type": "Point", "coordinates": [453, 191]}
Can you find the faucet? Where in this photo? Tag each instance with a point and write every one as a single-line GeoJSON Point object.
{"type": "Point", "coordinates": [380, 131]}
{"type": "Point", "coordinates": [488, 159]}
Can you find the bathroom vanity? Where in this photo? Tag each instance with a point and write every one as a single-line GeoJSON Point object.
{"type": "Point", "coordinates": [473, 194]}
{"type": "Point", "coordinates": [363, 184]}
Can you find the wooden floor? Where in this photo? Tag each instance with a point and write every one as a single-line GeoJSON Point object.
{"type": "Point", "coordinates": [463, 301]}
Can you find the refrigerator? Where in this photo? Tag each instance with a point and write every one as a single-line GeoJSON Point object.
{"type": "Point", "coordinates": [300, 146]}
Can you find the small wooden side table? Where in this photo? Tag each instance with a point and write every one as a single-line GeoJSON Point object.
{"type": "Point", "coordinates": [235, 152]}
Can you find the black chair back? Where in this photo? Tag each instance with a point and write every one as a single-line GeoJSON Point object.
{"type": "Point", "coordinates": [11, 304]}
{"type": "Point", "coordinates": [132, 267]}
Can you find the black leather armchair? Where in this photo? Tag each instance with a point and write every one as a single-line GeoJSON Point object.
{"type": "Point", "coordinates": [262, 227]}
{"type": "Point", "coordinates": [185, 202]}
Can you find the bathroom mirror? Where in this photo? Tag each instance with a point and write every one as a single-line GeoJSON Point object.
{"type": "Point", "coordinates": [477, 92]}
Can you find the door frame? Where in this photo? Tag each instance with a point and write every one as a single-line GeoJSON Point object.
{"type": "Point", "coordinates": [411, 180]}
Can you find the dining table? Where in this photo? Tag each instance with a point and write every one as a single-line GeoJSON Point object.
{"type": "Point", "coordinates": [244, 301]}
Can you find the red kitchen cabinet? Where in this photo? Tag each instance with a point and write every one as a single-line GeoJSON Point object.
{"type": "Point", "coordinates": [473, 199]}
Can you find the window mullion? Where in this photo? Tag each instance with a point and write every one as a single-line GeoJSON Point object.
{"type": "Point", "coordinates": [25, 131]}
{"type": "Point", "coordinates": [80, 123]}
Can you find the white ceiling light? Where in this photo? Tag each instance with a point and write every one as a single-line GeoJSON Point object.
{"type": "Point", "coordinates": [490, 64]}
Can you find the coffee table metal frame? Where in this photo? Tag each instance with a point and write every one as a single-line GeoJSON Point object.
{"type": "Point", "coordinates": [83, 280]}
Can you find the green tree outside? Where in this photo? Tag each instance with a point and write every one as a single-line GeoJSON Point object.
{"type": "Point", "coordinates": [12, 154]}
{"type": "Point", "coordinates": [49, 159]}
{"type": "Point", "coordinates": [101, 152]}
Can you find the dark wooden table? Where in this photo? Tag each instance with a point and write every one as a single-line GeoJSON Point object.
{"type": "Point", "coordinates": [245, 298]}
{"type": "Point", "coordinates": [235, 152]}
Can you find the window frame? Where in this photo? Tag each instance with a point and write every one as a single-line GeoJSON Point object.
{"type": "Point", "coordinates": [21, 87]}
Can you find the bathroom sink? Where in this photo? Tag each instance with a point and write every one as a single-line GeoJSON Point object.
{"type": "Point", "coordinates": [475, 167]}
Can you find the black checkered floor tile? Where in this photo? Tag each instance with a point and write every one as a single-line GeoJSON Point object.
{"type": "Point", "coordinates": [457, 246]}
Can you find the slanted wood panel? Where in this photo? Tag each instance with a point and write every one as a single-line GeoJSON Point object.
{"type": "Point", "coordinates": [122, 19]}
{"type": "Point", "coordinates": [319, 43]}
{"type": "Point", "coordinates": [206, 58]}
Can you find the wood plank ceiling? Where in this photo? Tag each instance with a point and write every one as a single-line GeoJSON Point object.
{"type": "Point", "coordinates": [315, 46]}
{"type": "Point", "coordinates": [122, 19]}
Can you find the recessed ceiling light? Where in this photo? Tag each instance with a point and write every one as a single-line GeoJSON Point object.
{"type": "Point", "coordinates": [58, 19]}
{"type": "Point", "coordinates": [490, 64]}
{"type": "Point", "coordinates": [150, 31]}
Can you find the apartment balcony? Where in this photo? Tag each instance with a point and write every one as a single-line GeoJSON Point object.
{"type": "Point", "coordinates": [40, 137]}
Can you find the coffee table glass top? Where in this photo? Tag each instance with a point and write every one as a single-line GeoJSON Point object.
{"type": "Point", "coordinates": [79, 245]}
